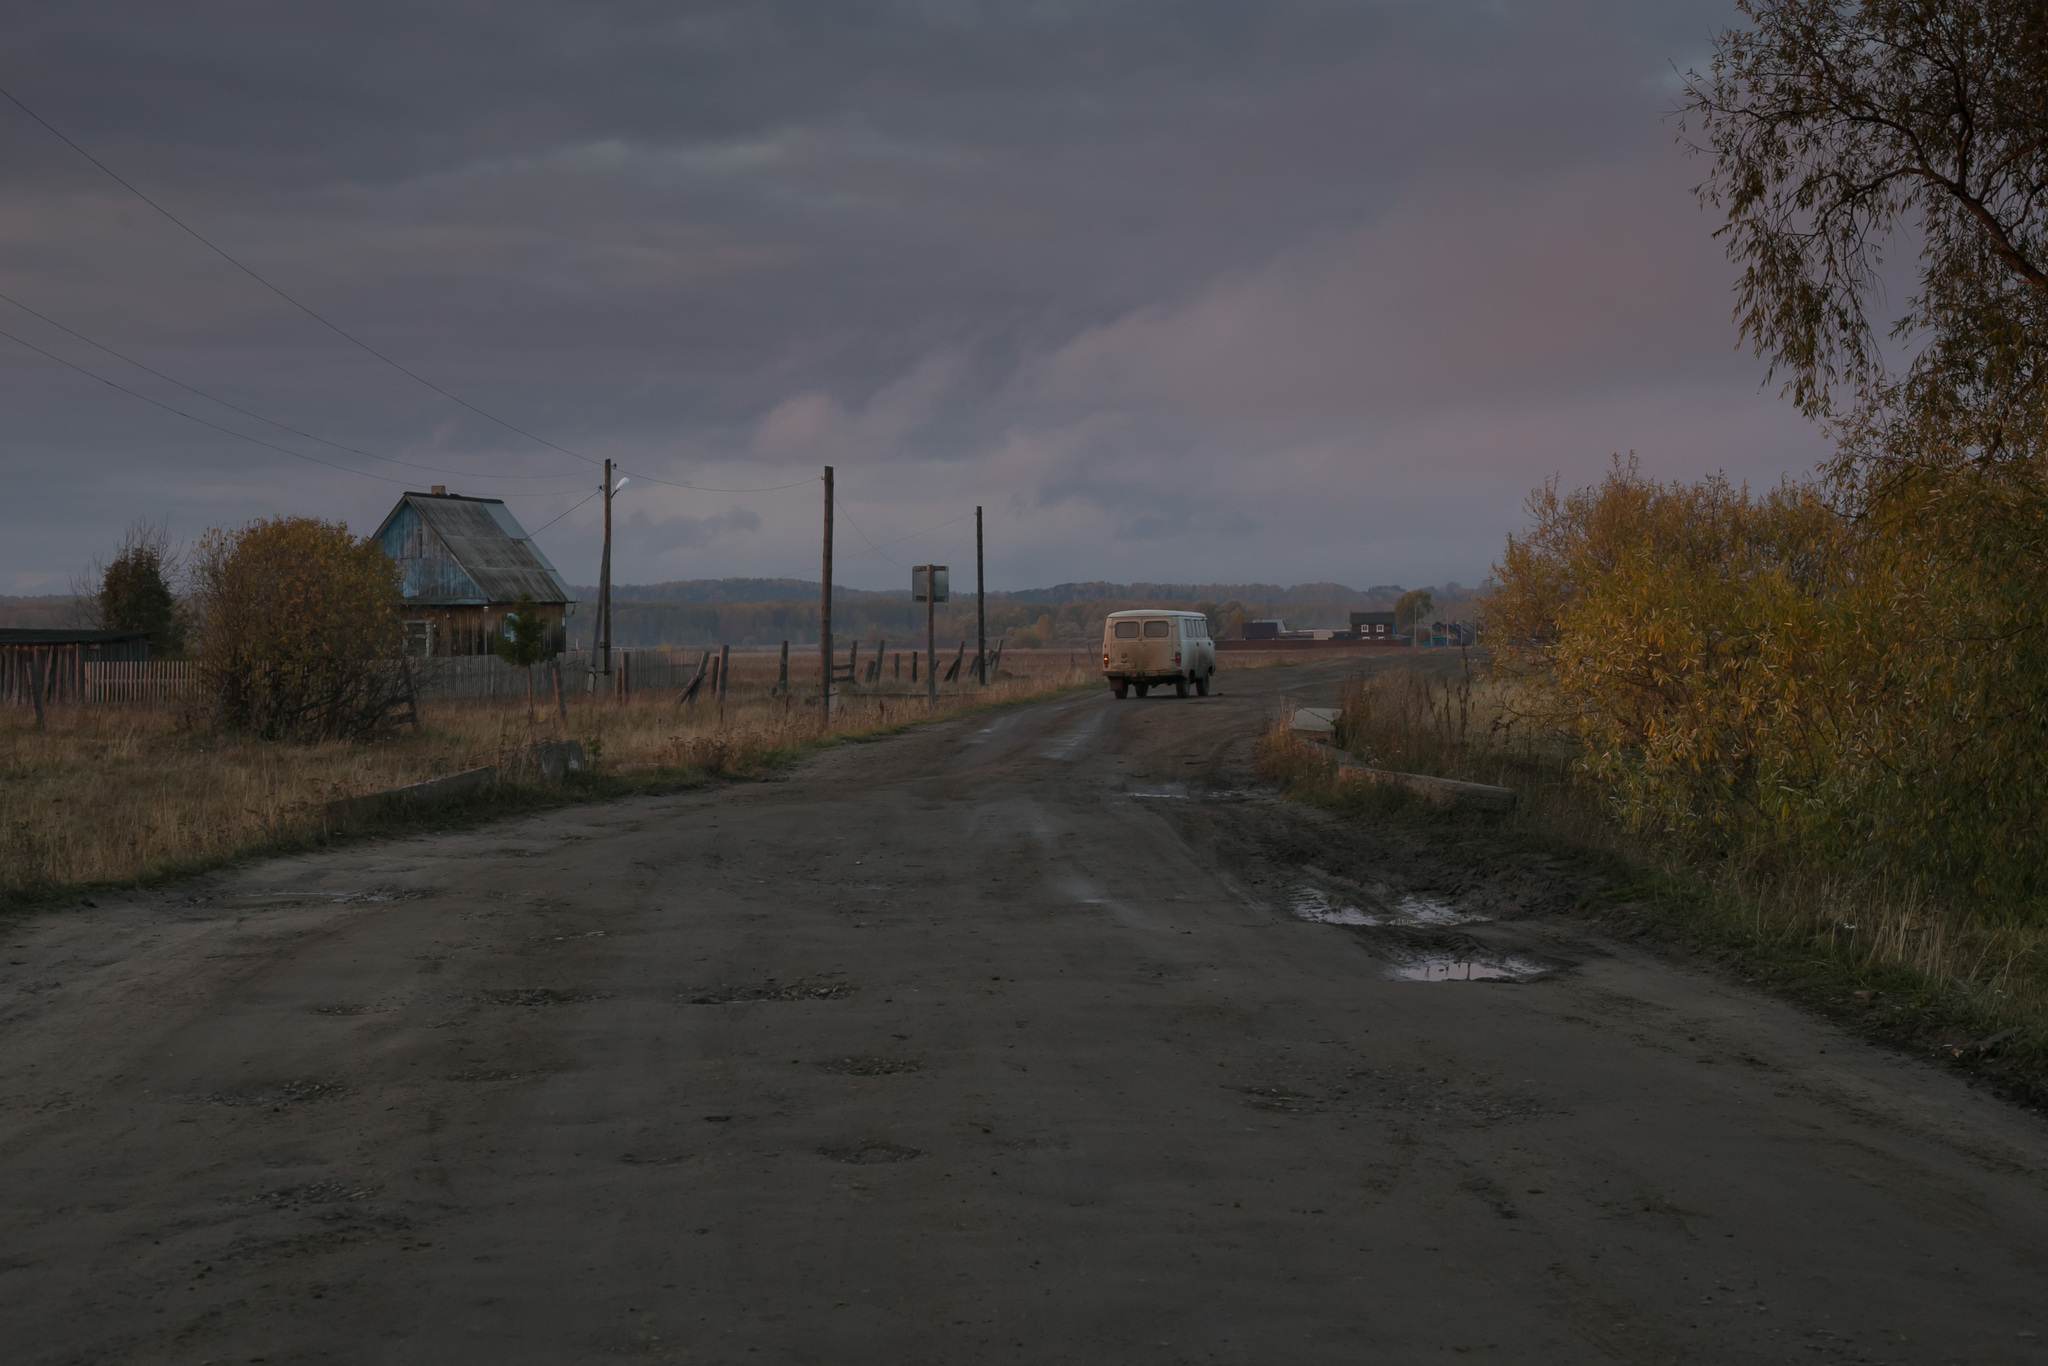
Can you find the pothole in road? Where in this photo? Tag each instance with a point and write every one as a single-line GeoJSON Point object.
{"type": "Point", "coordinates": [1180, 792]}
{"type": "Point", "coordinates": [1449, 967]}
{"type": "Point", "coordinates": [869, 1154]}
{"type": "Point", "coordinates": [1312, 903]}
{"type": "Point", "coordinates": [1279, 1099]}
{"type": "Point", "coordinates": [869, 1067]}
{"type": "Point", "coordinates": [534, 998]}
{"type": "Point", "coordinates": [313, 1193]}
{"type": "Point", "coordinates": [802, 989]}
{"type": "Point", "coordinates": [272, 1095]}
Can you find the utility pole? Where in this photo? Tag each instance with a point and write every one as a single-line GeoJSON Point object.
{"type": "Point", "coordinates": [604, 583]}
{"type": "Point", "coordinates": [980, 609]}
{"type": "Point", "coordinates": [825, 616]}
{"type": "Point", "coordinates": [931, 649]}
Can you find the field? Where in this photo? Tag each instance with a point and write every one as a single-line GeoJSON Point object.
{"type": "Point", "coordinates": [117, 794]}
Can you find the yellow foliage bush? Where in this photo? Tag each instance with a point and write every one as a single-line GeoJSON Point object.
{"type": "Point", "coordinates": [298, 628]}
{"type": "Point", "coordinates": [1768, 671]}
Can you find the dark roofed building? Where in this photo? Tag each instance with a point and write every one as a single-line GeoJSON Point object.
{"type": "Point", "coordinates": [59, 658]}
{"type": "Point", "coordinates": [464, 564]}
{"type": "Point", "coordinates": [1373, 625]}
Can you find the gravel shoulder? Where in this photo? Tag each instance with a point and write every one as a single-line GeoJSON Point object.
{"type": "Point", "coordinates": [1048, 1035]}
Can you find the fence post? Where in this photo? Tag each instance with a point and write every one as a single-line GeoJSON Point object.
{"type": "Point", "coordinates": [724, 673]}
{"type": "Point", "coordinates": [35, 686]}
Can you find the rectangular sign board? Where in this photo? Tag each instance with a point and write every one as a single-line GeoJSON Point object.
{"type": "Point", "coordinates": [938, 572]}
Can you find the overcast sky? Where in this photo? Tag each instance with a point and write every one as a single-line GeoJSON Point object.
{"type": "Point", "coordinates": [1177, 291]}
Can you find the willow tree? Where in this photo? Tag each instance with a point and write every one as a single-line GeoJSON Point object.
{"type": "Point", "coordinates": [1845, 135]}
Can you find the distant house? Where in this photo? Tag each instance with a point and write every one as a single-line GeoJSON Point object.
{"type": "Point", "coordinates": [464, 564]}
{"type": "Point", "coordinates": [1264, 630]}
{"type": "Point", "coordinates": [1373, 625]}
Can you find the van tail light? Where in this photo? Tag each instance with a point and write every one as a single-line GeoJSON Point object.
{"type": "Point", "coordinates": [1105, 661]}
{"type": "Point", "coordinates": [1176, 656]}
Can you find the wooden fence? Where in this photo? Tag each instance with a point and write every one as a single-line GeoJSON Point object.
{"type": "Point", "coordinates": [486, 677]}
{"type": "Point", "coordinates": [157, 680]}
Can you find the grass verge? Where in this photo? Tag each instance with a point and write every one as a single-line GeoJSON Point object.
{"type": "Point", "coordinates": [125, 797]}
{"type": "Point", "coordinates": [1966, 983]}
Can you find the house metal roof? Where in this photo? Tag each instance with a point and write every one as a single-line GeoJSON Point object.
{"type": "Point", "coordinates": [454, 550]}
{"type": "Point", "coordinates": [64, 636]}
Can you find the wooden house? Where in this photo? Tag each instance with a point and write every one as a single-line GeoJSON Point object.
{"type": "Point", "coordinates": [1374, 626]}
{"type": "Point", "coordinates": [464, 564]}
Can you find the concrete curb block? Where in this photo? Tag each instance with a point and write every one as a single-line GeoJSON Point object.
{"type": "Point", "coordinates": [1314, 721]}
{"type": "Point", "coordinates": [1442, 792]}
{"type": "Point", "coordinates": [433, 790]}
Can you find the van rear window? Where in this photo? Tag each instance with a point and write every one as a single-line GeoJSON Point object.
{"type": "Point", "coordinates": [1127, 630]}
{"type": "Point", "coordinates": [1156, 629]}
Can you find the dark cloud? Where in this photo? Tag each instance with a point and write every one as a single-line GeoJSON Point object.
{"type": "Point", "coordinates": [1277, 291]}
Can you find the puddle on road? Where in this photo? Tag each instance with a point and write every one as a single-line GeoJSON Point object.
{"type": "Point", "coordinates": [281, 899]}
{"type": "Point", "coordinates": [1312, 903]}
{"type": "Point", "coordinates": [1450, 968]}
{"type": "Point", "coordinates": [1179, 792]}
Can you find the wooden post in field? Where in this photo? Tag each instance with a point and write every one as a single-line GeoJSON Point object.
{"type": "Point", "coordinates": [980, 610]}
{"type": "Point", "coordinates": [561, 701]}
{"type": "Point", "coordinates": [724, 674]}
{"type": "Point", "coordinates": [825, 616]}
{"type": "Point", "coordinates": [35, 685]}
{"type": "Point", "coordinates": [782, 676]}
{"type": "Point", "coordinates": [931, 643]}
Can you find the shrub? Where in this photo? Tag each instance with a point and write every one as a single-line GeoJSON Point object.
{"type": "Point", "coordinates": [299, 630]}
{"type": "Point", "coordinates": [1766, 672]}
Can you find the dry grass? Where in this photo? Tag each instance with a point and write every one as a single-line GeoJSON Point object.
{"type": "Point", "coordinates": [1903, 961]}
{"type": "Point", "coordinates": [117, 795]}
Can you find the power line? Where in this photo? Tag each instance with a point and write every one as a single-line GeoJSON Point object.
{"type": "Point", "coordinates": [335, 328]}
{"type": "Point", "coordinates": [240, 436]}
{"type": "Point", "coordinates": [878, 549]}
{"type": "Point", "coordinates": [559, 516]}
{"type": "Point", "coordinates": [281, 426]}
{"type": "Point", "coordinates": [701, 488]}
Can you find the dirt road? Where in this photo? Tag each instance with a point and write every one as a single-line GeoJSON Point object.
{"type": "Point", "coordinates": [1033, 1038]}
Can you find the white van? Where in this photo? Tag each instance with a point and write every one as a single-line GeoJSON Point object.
{"type": "Point", "coordinates": [1143, 648]}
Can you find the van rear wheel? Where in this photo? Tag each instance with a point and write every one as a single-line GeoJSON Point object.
{"type": "Point", "coordinates": [1119, 688]}
{"type": "Point", "coordinates": [1202, 686]}
{"type": "Point", "coordinates": [1180, 687]}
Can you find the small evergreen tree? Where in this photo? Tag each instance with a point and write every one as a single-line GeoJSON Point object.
{"type": "Point", "coordinates": [524, 643]}
{"type": "Point", "coordinates": [135, 593]}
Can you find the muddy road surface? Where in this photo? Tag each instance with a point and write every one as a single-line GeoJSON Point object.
{"type": "Point", "coordinates": [1047, 1036]}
